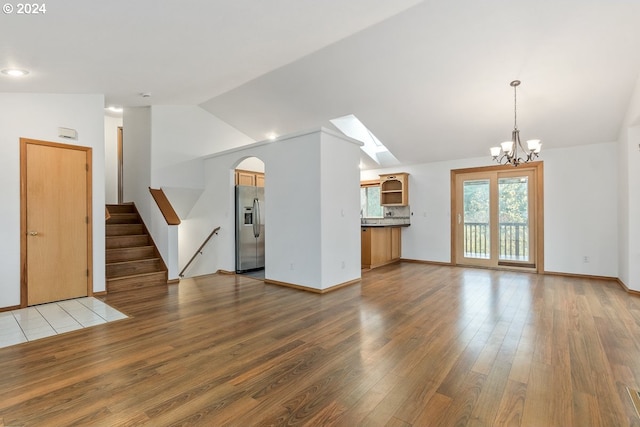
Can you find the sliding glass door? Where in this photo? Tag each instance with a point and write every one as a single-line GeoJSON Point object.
{"type": "Point", "coordinates": [495, 222]}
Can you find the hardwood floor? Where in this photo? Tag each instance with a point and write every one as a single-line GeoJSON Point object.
{"type": "Point", "coordinates": [412, 345]}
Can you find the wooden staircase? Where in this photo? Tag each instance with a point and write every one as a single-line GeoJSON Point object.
{"type": "Point", "coordinates": [133, 261]}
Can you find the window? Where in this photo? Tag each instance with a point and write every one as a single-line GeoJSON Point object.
{"type": "Point", "coordinates": [370, 201]}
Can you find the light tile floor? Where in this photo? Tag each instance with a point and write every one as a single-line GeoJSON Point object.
{"type": "Point", "coordinates": [40, 321]}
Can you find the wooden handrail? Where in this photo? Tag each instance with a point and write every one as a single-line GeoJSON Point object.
{"type": "Point", "coordinates": [165, 207]}
{"type": "Point", "coordinates": [199, 251]}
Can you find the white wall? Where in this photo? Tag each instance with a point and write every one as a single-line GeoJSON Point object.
{"type": "Point", "coordinates": [214, 208]}
{"type": "Point", "coordinates": [580, 208]}
{"type": "Point", "coordinates": [252, 164]}
{"type": "Point", "coordinates": [165, 238]}
{"type": "Point", "coordinates": [301, 246]}
{"type": "Point", "coordinates": [632, 279]}
{"type": "Point", "coordinates": [181, 136]}
{"type": "Point", "coordinates": [111, 125]}
{"type": "Point", "coordinates": [629, 193]}
{"type": "Point", "coordinates": [38, 116]}
{"type": "Point", "coordinates": [339, 210]}
{"type": "Point", "coordinates": [136, 147]}
{"type": "Point", "coordinates": [293, 233]}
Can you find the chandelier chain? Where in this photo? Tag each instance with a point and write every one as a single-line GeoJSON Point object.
{"type": "Point", "coordinates": [515, 107]}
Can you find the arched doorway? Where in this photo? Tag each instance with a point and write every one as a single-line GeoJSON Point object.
{"type": "Point", "coordinates": [250, 217]}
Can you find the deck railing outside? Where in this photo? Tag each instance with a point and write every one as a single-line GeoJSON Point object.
{"type": "Point", "coordinates": [513, 240]}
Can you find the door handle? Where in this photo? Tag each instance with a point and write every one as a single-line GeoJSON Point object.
{"type": "Point", "coordinates": [256, 218]}
{"type": "Point", "coordinates": [32, 233]}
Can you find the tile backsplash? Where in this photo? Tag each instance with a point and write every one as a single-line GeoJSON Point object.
{"type": "Point", "coordinates": [396, 211]}
{"type": "Point", "coordinates": [392, 215]}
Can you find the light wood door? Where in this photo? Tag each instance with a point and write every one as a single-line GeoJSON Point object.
{"type": "Point", "coordinates": [120, 166]}
{"type": "Point", "coordinates": [56, 221]}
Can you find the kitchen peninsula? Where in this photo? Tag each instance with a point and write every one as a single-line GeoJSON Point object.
{"type": "Point", "coordinates": [381, 244]}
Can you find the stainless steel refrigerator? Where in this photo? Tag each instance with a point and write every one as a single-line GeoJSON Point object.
{"type": "Point", "coordinates": [249, 228]}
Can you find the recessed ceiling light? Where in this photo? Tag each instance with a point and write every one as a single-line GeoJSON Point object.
{"type": "Point", "coordinates": [14, 72]}
{"type": "Point", "coordinates": [115, 109]}
{"type": "Point", "coordinates": [272, 136]}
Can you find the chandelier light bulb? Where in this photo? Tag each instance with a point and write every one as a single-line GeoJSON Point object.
{"type": "Point", "coordinates": [507, 147]}
{"type": "Point", "coordinates": [533, 144]}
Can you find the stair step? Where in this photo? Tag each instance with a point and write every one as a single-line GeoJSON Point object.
{"type": "Point", "coordinates": [123, 208]}
{"type": "Point", "coordinates": [124, 218]}
{"type": "Point", "coordinates": [124, 229]}
{"type": "Point", "coordinates": [130, 253]}
{"type": "Point", "coordinates": [129, 268]}
{"type": "Point", "coordinates": [115, 242]}
{"type": "Point", "coordinates": [127, 283]}
{"type": "Point", "coordinates": [132, 262]}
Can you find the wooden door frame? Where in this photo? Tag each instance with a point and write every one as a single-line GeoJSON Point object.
{"type": "Point", "coordinates": [23, 213]}
{"type": "Point", "coordinates": [538, 169]}
{"type": "Point", "coordinates": [120, 160]}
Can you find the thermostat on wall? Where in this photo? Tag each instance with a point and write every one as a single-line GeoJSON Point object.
{"type": "Point", "coordinates": [67, 133]}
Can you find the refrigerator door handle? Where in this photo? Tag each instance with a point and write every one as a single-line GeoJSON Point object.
{"type": "Point", "coordinates": [256, 218]}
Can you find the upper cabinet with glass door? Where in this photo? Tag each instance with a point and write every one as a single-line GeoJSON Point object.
{"type": "Point", "coordinates": [394, 189]}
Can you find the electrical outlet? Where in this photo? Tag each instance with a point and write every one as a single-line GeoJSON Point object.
{"type": "Point", "coordinates": [585, 259]}
{"type": "Point", "coordinates": [291, 266]}
{"type": "Point", "coordinates": [342, 264]}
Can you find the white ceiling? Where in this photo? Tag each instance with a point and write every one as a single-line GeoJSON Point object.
{"type": "Point", "coordinates": [430, 79]}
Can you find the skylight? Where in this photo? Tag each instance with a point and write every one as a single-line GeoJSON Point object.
{"type": "Point", "coordinates": [354, 128]}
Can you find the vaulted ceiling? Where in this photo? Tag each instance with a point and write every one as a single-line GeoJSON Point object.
{"type": "Point", "coordinates": [429, 78]}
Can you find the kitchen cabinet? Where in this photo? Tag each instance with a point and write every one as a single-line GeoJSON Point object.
{"type": "Point", "coordinates": [380, 246]}
{"type": "Point", "coordinates": [396, 235]}
{"type": "Point", "coordinates": [253, 179]}
{"type": "Point", "coordinates": [394, 189]}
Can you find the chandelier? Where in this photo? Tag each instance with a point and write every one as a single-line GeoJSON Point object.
{"type": "Point", "coordinates": [507, 152]}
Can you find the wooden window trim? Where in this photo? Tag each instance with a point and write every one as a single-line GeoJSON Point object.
{"type": "Point", "coordinates": [370, 183]}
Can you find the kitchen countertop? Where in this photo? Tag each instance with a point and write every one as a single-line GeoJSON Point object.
{"type": "Point", "coordinates": [387, 221]}
{"type": "Point", "coordinates": [383, 225]}
{"type": "Point", "coordinates": [398, 221]}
